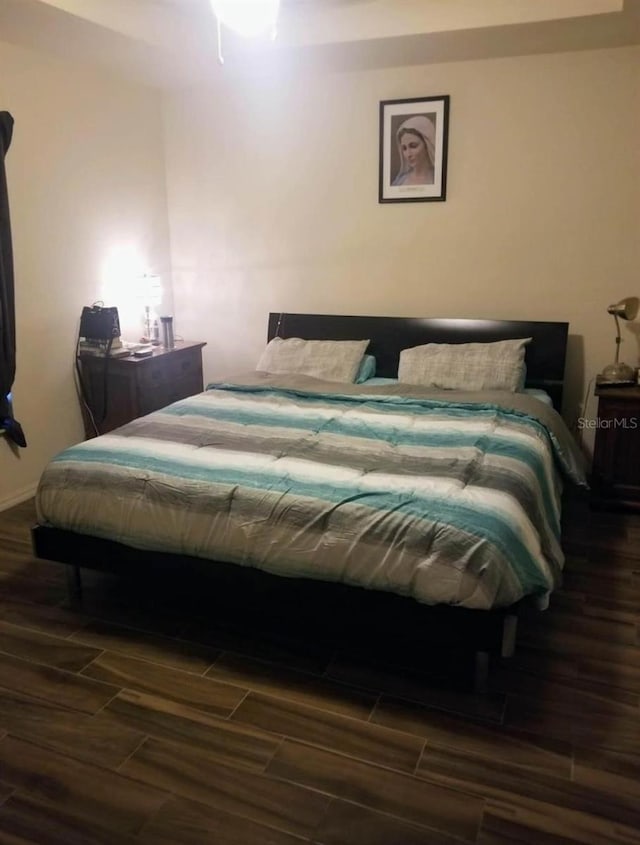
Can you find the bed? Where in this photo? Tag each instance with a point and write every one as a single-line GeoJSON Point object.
{"type": "Point", "coordinates": [362, 509]}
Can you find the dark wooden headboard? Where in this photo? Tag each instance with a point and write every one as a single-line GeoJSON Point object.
{"type": "Point", "coordinates": [545, 355]}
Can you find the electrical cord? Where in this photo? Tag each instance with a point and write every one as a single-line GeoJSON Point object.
{"type": "Point", "coordinates": [105, 380]}
{"type": "Point", "coordinates": [81, 387]}
{"type": "Point", "coordinates": [82, 391]}
{"type": "Point", "coordinates": [577, 428]}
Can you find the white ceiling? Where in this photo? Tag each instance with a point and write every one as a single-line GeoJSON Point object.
{"type": "Point", "coordinates": [173, 42]}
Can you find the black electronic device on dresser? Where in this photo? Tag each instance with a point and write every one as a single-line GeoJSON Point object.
{"type": "Point", "coordinates": [132, 386]}
{"type": "Point", "coordinates": [616, 459]}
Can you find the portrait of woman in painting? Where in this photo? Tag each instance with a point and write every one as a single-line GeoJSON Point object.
{"type": "Point", "coordinates": [415, 139]}
{"type": "Point", "coordinates": [414, 134]}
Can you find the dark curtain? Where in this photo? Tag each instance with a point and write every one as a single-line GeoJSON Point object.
{"type": "Point", "coordinates": [7, 298]}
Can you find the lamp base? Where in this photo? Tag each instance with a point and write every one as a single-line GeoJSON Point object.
{"type": "Point", "coordinates": [618, 373]}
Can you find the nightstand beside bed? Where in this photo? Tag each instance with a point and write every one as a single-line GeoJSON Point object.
{"type": "Point", "coordinates": [131, 387]}
{"type": "Point", "coordinates": [616, 459]}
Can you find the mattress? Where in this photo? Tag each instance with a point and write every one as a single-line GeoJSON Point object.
{"type": "Point", "coordinates": [450, 499]}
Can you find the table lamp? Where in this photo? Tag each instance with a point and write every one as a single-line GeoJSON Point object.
{"type": "Point", "coordinates": [619, 372]}
{"type": "Point", "coordinates": [150, 294]}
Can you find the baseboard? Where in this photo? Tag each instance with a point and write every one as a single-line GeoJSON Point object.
{"type": "Point", "coordinates": [19, 496]}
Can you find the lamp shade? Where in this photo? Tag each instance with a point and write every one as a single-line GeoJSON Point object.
{"type": "Point", "coordinates": [627, 308]}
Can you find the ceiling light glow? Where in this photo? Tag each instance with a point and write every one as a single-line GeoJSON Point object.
{"type": "Point", "coordinates": [249, 18]}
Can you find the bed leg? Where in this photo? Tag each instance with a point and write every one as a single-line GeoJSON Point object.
{"type": "Point", "coordinates": [74, 584]}
{"type": "Point", "coordinates": [509, 628]}
{"type": "Point", "coordinates": [481, 673]}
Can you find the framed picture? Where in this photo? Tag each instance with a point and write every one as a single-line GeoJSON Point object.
{"type": "Point", "coordinates": [413, 149]}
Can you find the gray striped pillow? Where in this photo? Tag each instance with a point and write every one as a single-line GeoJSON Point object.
{"type": "Point", "coordinates": [332, 360]}
{"type": "Point", "coordinates": [466, 366]}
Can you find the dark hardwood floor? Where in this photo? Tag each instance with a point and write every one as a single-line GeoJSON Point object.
{"type": "Point", "coordinates": [138, 720]}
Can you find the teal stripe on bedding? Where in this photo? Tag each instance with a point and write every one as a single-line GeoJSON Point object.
{"type": "Point", "coordinates": [378, 431]}
{"type": "Point", "coordinates": [474, 520]}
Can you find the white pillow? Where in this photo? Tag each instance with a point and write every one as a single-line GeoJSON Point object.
{"type": "Point", "coordinates": [466, 366]}
{"type": "Point", "coordinates": [332, 360]}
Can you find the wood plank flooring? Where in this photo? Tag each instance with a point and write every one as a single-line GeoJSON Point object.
{"type": "Point", "coordinates": [137, 719]}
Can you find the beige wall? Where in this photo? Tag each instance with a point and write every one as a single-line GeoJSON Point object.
{"type": "Point", "coordinates": [272, 189]}
{"type": "Point", "coordinates": [87, 192]}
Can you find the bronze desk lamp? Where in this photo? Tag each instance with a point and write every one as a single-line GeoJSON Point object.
{"type": "Point", "coordinates": [619, 372]}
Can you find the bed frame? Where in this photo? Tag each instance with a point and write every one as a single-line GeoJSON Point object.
{"type": "Point", "coordinates": [355, 615]}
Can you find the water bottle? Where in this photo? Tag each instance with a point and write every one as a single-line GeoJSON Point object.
{"type": "Point", "coordinates": [167, 332]}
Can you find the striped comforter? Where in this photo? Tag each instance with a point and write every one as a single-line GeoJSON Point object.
{"type": "Point", "coordinates": [390, 488]}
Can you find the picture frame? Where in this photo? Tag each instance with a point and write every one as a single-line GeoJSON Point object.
{"type": "Point", "coordinates": [414, 136]}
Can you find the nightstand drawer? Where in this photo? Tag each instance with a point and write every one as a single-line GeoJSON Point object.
{"type": "Point", "coordinates": [153, 376]}
{"type": "Point", "coordinates": [170, 368]}
{"type": "Point", "coordinates": [156, 395]}
{"type": "Point", "coordinates": [185, 365]}
{"type": "Point", "coordinates": [185, 387]}
{"type": "Point", "coordinates": [169, 378]}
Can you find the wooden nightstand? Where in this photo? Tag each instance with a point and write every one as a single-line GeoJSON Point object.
{"type": "Point", "coordinates": [616, 457]}
{"type": "Point", "coordinates": [137, 386]}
